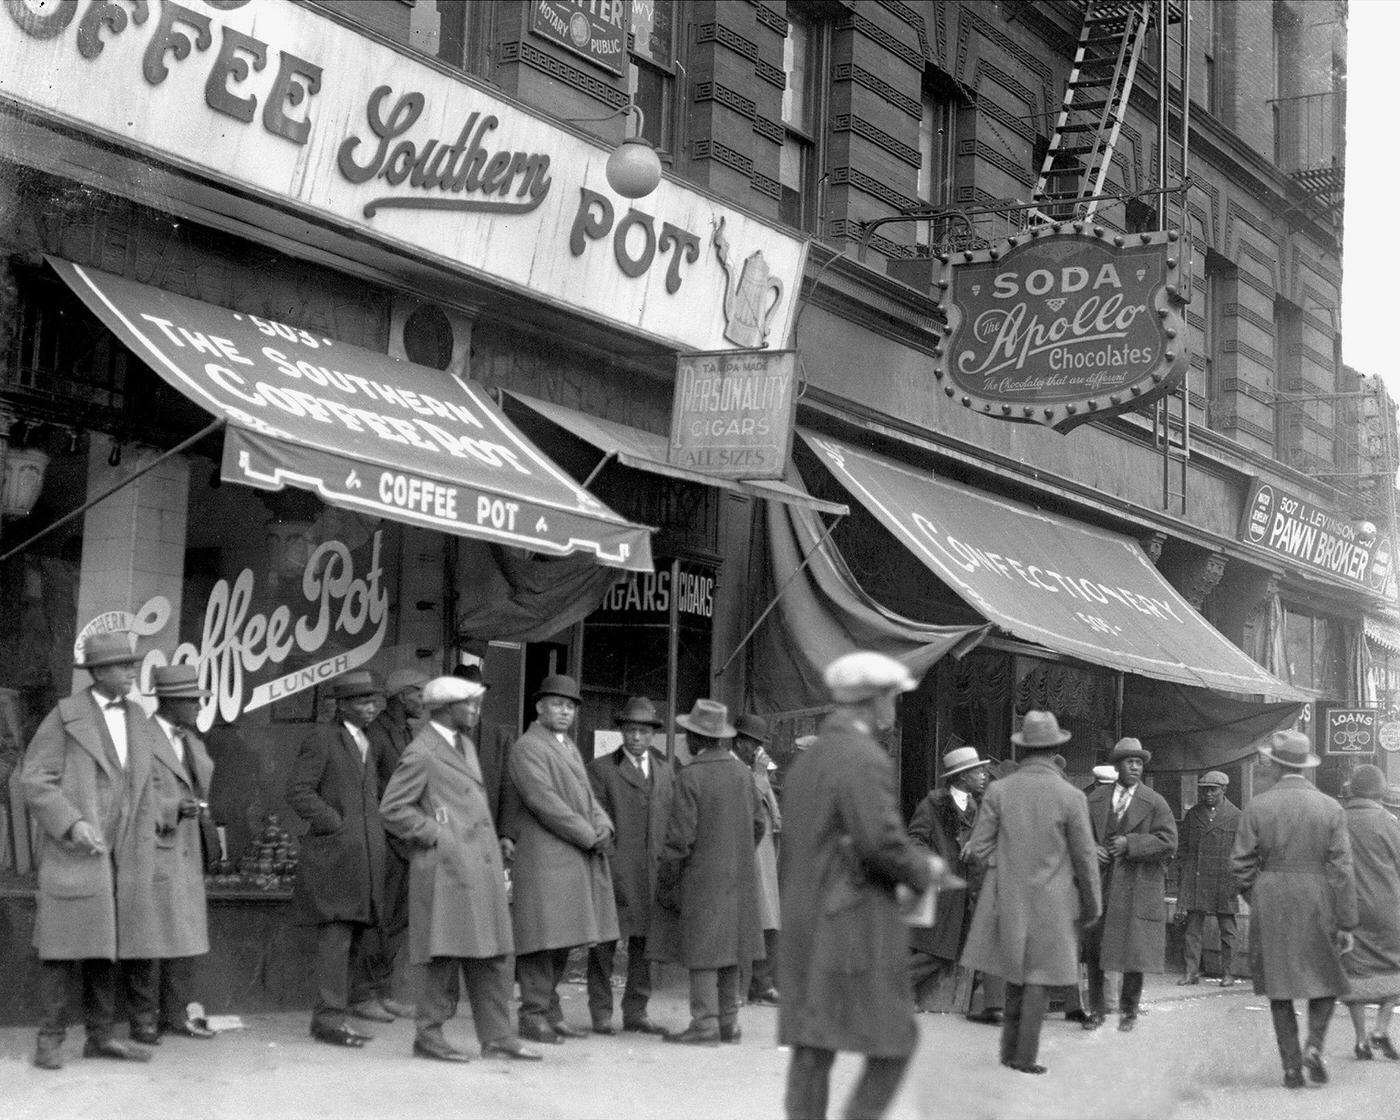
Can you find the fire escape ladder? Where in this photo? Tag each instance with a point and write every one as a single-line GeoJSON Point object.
{"type": "Point", "coordinates": [1171, 433]}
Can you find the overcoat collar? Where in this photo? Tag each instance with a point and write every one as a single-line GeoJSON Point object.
{"type": "Point", "coordinates": [628, 769]}
{"type": "Point", "coordinates": [452, 757]}
{"type": "Point", "coordinates": [83, 723]}
{"type": "Point", "coordinates": [162, 749]}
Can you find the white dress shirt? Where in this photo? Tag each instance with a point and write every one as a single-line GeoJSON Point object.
{"type": "Point", "coordinates": [360, 739]}
{"type": "Point", "coordinates": [173, 733]}
{"type": "Point", "coordinates": [960, 797]}
{"type": "Point", "coordinates": [114, 714]}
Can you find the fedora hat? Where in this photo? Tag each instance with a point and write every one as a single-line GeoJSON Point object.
{"type": "Point", "coordinates": [1291, 749]}
{"type": "Point", "coordinates": [639, 710]}
{"type": "Point", "coordinates": [347, 686]}
{"type": "Point", "coordinates": [1129, 748]}
{"type": "Point", "coordinates": [751, 727]}
{"type": "Point", "coordinates": [177, 682]}
{"type": "Point", "coordinates": [401, 680]}
{"type": "Point", "coordinates": [709, 718]}
{"type": "Point", "coordinates": [557, 684]}
{"type": "Point", "coordinates": [116, 647]}
{"type": "Point", "coordinates": [1040, 731]}
{"type": "Point", "coordinates": [471, 673]}
{"type": "Point", "coordinates": [962, 758]}
{"type": "Point", "coordinates": [1214, 778]}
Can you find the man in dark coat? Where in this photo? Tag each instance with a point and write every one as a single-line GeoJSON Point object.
{"type": "Point", "coordinates": [756, 977]}
{"type": "Point", "coordinates": [493, 742]}
{"type": "Point", "coordinates": [634, 787]}
{"type": "Point", "coordinates": [1292, 863]}
{"type": "Point", "coordinates": [1205, 885]}
{"type": "Point", "coordinates": [389, 735]}
{"type": "Point", "coordinates": [707, 876]}
{"type": "Point", "coordinates": [1135, 832]}
{"type": "Point", "coordinates": [942, 824]}
{"type": "Point", "coordinates": [87, 782]}
{"type": "Point", "coordinates": [334, 788]}
{"type": "Point", "coordinates": [847, 871]}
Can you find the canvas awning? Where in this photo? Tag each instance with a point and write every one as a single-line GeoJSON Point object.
{"type": "Point", "coordinates": [1070, 587]}
{"type": "Point", "coordinates": [646, 451]}
{"type": "Point", "coordinates": [363, 430]}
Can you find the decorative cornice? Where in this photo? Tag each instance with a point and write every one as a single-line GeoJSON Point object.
{"type": "Point", "coordinates": [727, 37]}
{"type": "Point", "coordinates": [767, 72]}
{"type": "Point", "coordinates": [770, 19]}
{"type": "Point", "coordinates": [723, 95]}
{"type": "Point", "coordinates": [850, 176]}
{"type": "Point", "coordinates": [854, 21]}
{"type": "Point", "coordinates": [850, 72]}
{"type": "Point", "coordinates": [769, 129]}
{"type": "Point", "coordinates": [702, 150]}
{"type": "Point", "coordinates": [771, 188]}
{"type": "Point", "coordinates": [847, 122]}
{"type": "Point", "coordinates": [530, 55]}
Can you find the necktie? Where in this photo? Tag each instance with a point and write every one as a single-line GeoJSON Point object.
{"type": "Point", "coordinates": [1121, 796]}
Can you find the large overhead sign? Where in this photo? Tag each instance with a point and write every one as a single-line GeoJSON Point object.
{"type": "Point", "coordinates": [1288, 526]}
{"type": "Point", "coordinates": [1063, 326]}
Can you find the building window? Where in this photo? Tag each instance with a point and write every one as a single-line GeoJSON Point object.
{"type": "Point", "coordinates": [1215, 36]}
{"type": "Point", "coordinates": [803, 111]}
{"type": "Point", "coordinates": [651, 70]}
{"type": "Point", "coordinates": [1288, 327]}
{"type": "Point", "coordinates": [1315, 650]}
{"type": "Point", "coordinates": [938, 147]}
{"type": "Point", "coordinates": [1219, 292]}
{"type": "Point", "coordinates": [1139, 216]}
{"type": "Point", "coordinates": [459, 32]}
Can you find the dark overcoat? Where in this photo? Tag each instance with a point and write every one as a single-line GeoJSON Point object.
{"type": "Point", "coordinates": [1375, 855]}
{"type": "Point", "coordinates": [707, 876]}
{"type": "Point", "coordinates": [844, 964]}
{"type": "Point", "coordinates": [939, 826]}
{"type": "Point", "coordinates": [1135, 883]}
{"type": "Point", "coordinates": [1205, 882]}
{"type": "Point", "coordinates": [563, 892]}
{"type": "Point", "coordinates": [493, 743]}
{"type": "Point", "coordinates": [340, 877]}
{"type": "Point", "coordinates": [436, 803]}
{"type": "Point", "coordinates": [639, 808]}
{"type": "Point", "coordinates": [178, 885]}
{"type": "Point", "coordinates": [90, 906]}
{"type": "Point", "coordinates": [1041, 878]}
{"type": "Point", "coordinates": [1292, 863]}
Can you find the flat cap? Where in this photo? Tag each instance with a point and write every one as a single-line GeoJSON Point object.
{"type": "Point", "coordinates": [1214, 778]}
{"type": "Point", "coordinates": [441, 691]}
{"type": "Point", "coordinates": [1105, 773]}
{"type": "Point", "coordinates": [858, 676]}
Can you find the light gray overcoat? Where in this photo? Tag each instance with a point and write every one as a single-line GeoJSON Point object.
{"type": "Point", "coordinates": [178, 886]}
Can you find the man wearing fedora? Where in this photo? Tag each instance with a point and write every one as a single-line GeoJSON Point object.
{"type": "Point", "coordinates": [1135, 834]}
{"type": "Point", "coordinates": [707, 879]}
{"type": "Point", "coordinates": [563, 894]}
{"type": "Point", "coordinates": [1206, 886]}
{"type": "Point", "coordinates": [1292, 863]}
{"type": "Point", "coordinates": [634, 787]}
{"type": "Point", "coordinates": [334, 788]}
{"type": "Point", "coordinates": [756, 977]}
{"type": "Point", "coordinates": [942, 824]}
{"type": "Point", "coordinates": [87, 781]}
{"type": "Point", "coordinates": [186, 840]}
{"type": "Point", "coordinates": [459, 918]}
{"type": "Point", "coordinates": [848, 871]}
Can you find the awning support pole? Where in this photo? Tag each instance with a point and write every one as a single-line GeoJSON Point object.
{"type": "Point", "coordinates": [769, 608]}
{"type": "Point", "coordinates": [82, 509]}
{"type": "Point", "coordinates": [596, 471]}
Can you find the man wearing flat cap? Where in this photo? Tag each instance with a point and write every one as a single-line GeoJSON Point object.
{"type": "Point", "coordinates": [334, 788]}
{"type": "Point", "coordinates": [634, 787]}
{"type": "Point", "coordinates": [1292, 862]}
{"type": "Point", "coordinates": [1135, 834]}
{"type": "Point", "coordinates": [563, 893]}
{"type": "Point", "coordinates": [845, 870]}
{"type": "Point", "coordinates": [87, 782]}
{"type": "Point", "coordinates": [1206, 886]}
{"type": "Point", "coordinates": [756, 977]}
{"type": "Point", "coordinates": [459, 917]}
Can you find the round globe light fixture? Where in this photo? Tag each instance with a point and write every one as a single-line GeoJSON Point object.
{"type": "Point", "coordinates": [633, 169]}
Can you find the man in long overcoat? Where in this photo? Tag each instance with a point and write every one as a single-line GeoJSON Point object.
{"type": "Point", "coordinates": [844, 967]}
{"type": "Point", "coordinates": [493, 742]}
{"type": "Point", "coordinates": [707, 875]}
{"type": "Point", "coordinates": [634, 787]}
{"type": "Point", "coordinates": [1041, 886]}
{"type": "Point", "coordinates": [1292, 863]}
{"type": "Point", "coordinates": [86, 779]}
{"type": "Point", "coordinates": [334, 788]}
{"type": "Point", "coordinates": [459, 918]}
{"type": "Point", "coordinates": [756, 977]}
{"type": "Point", "coordinates": [563, 895]}
{"type": "Point", "coordinates": [185, 841]}
{"type": "Point", "coordinates": [1205, 885]}
{"type": "Point", "coordinates": [1135, 831]}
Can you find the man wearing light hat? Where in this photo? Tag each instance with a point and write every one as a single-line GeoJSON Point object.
{"type": "Point", "coordinates": [459, 917]}
{"type": "Point", "coordinates": [87, 782]}
{"type": "Point", "coordinates": [334, 788]}
{"type": "Point", "coordinates": [1135, 834]}
{"type": "Point", "coordinates": [1205, 884]}
{"type": "Point", "coordinates": [1292, 863]}
{"type": "Point", "coordinates": [845, 870]}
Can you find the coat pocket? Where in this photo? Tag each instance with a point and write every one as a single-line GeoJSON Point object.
{"type": "Point", "coordinates": [65, 876]}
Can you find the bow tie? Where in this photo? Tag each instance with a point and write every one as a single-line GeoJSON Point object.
{"type": "Point", "coordinates": [115, 705]}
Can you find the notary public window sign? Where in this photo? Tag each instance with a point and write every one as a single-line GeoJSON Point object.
{"type": "Point", "coordinates": [1063, 326]}
{"type": "Point", "coordinates": [1288, 526]}
{"type": "Point", "coordinates": [593, 29]}
{"type": "Point", "coordinates": [732, 413]}
{"type": "Point", "coordinates": [1352, 731]}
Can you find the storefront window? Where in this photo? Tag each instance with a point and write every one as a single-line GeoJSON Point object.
{"type": "Point", "coordinates": [1315, 651]}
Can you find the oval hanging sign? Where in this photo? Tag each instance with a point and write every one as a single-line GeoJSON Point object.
{"type": "Point", "coordinates": [1063, 325]}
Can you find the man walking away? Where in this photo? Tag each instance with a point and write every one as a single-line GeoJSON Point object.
{"type": "Point", "coordinates": [756, 977]}
{"type": "Point", "coordinates": [1205, 885]}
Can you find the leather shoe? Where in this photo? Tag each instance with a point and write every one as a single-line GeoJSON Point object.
{"type": "Point", "coordinates": [439, 1049]}
{"type": "Point", "coordinates": [1292, 1079]}
{"type": "Point", "coordinates": [563, 1030]}
{"type": "Point", "coordinates": [539, 1032]}
{"type": "Point", "coordinates": [991, 1015]}
{"type": "Point", "coordinates": [1078, 1015]}
{"type": "Point", "coordinates": [643, 1026]}
{"type": "Point", "coordinates": [732, 1033]}
{"type": "Point", "coordinates": [398, 1010]}
{"type": "Point", "coordinates": [114, 1048]}
{"type": "Point", "coordinates": [147, 1034]}
{"type": "Point", "coordinates": [372, 1010]}
{"type": "Point", "coordinates": [1093, 1021]}
{"type": "Point", "coordinates": [768, 997]}
{"type": "Point", "coordinates": [1316, 1067]}
{"type": "Point", "coordinates": [48, 1054]}
{"type": "Point", "coordinates": [1027, 1067]}
{"type": "Point", "coordinates": [604, 1027]}
{"type": "Point", "coordinates": [1228, 980]}
{"type": "Point", "coordinates": [189, 1028]}
{"type": "Point", "coordinates": [1189, 978]}
{"type": "Point", "coordinates": [1127, 1022]}
{"type": "Point", "coordinates": [511, 1048]}
{"type": "Point", "coordinates": [338, 1036]}
{"type": "Point", "coordinates": [693, 1036]}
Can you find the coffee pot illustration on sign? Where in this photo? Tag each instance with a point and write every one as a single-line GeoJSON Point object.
{"type": "Point", "coordinates": [750, 299]}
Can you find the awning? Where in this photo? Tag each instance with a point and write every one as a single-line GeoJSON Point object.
{"type": "Point", "coordinates": [1384, 634]}
{"type": "Point", "coordinates": [646, 451]}
{"type": "Point", "coordinates": [363, 430]}
{"type": "Point", "coordinates": [1072, 588]}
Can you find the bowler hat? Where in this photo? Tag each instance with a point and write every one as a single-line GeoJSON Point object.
{"type": "Point", "coordinates": [1291, 749]}
{"type": "Point", "coordinates": [401, 680]}
{"type": "Point", "coordinates": [347, 686]}
{"type": "Point", "coordinates": [1368, 781]}
{"type": "Point", "coordinates": [639, 710]}
{"type": "Point", "coordinates": [557, 684]}
{"type": "Point", "coordinates": [1040, 731]}
{"type": "Point", "coordinates": [177, 682]}
{"type": "Point", "coordinates": [1213, 778]}
{"type": "Point", "coordinates": [863, 675]}
{"type": "Point", "coordinates": [1129, 748]}
{"type": "Point", "coordinates": [709, 718]}
{"type": "Point", "coordinates": [752, 727]}
{"type": "Point", "coordinates": [961, 758]}
{"type": "Point", "coordinates": [471, 673]}
{"type": "Point", "coordinates": [441, 691]}
{"type": "Point", "coordinates": [112, 648]}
